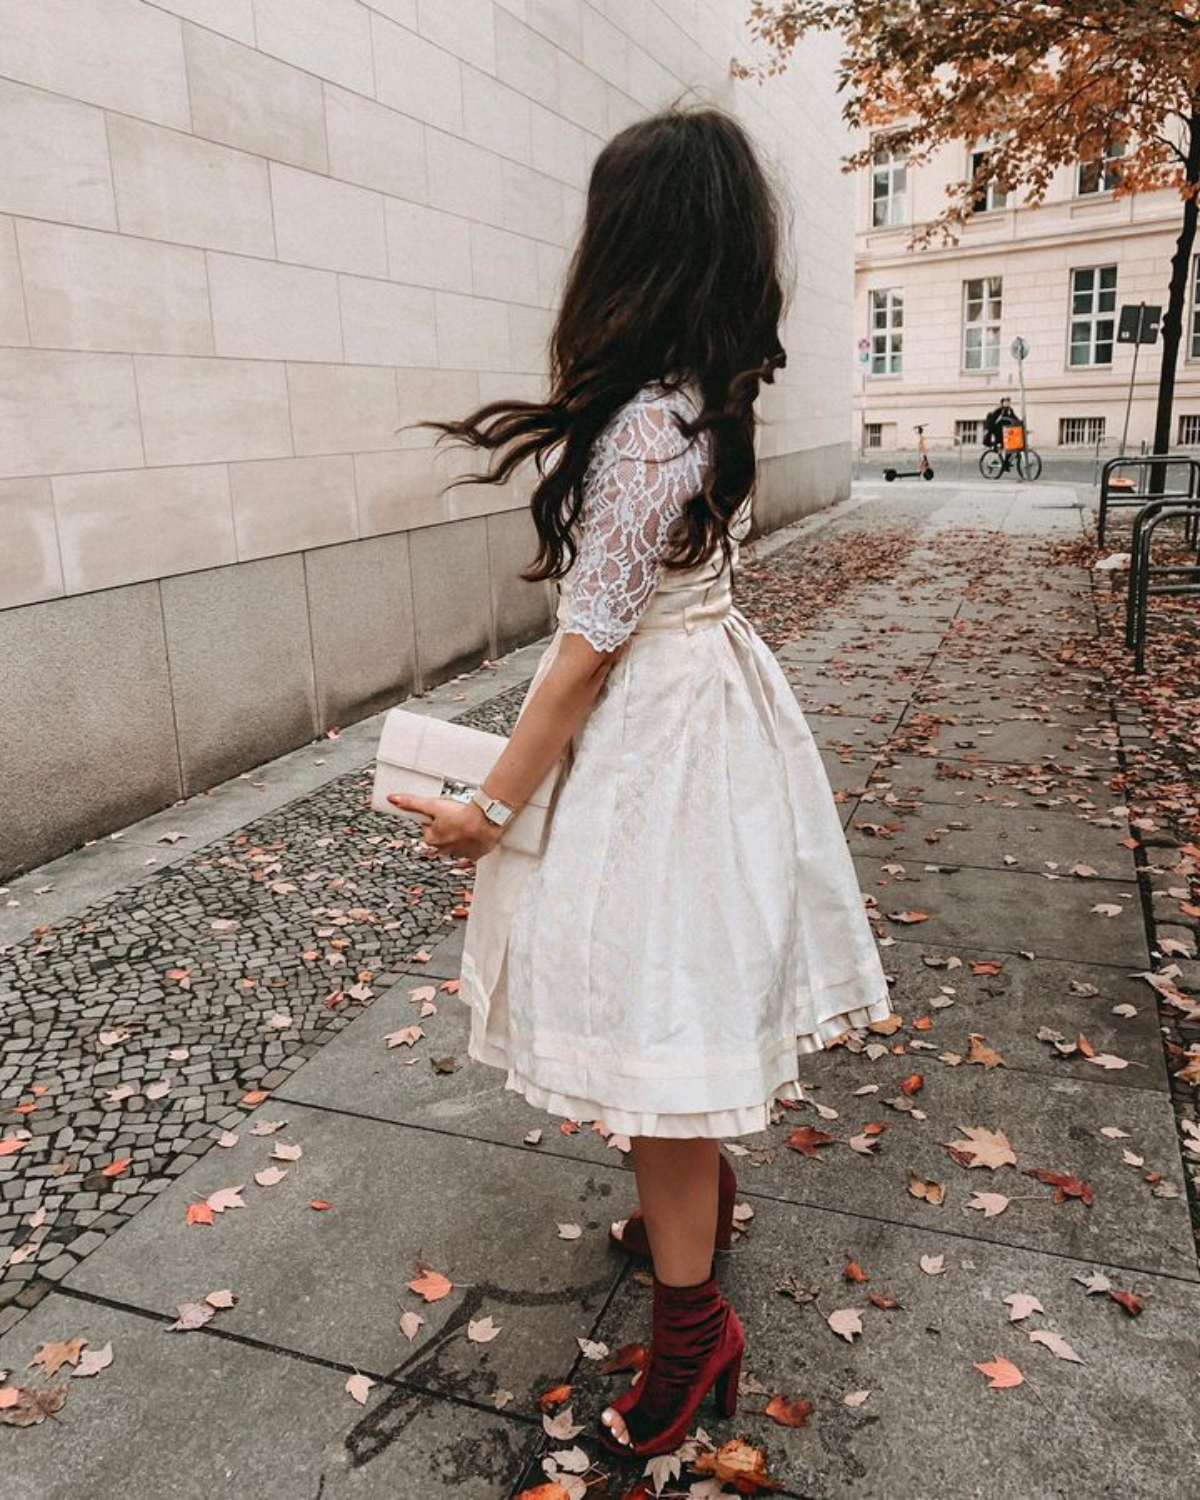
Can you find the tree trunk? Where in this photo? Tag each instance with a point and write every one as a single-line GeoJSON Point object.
{"type": "Point", "coordinates": [1172, 325]}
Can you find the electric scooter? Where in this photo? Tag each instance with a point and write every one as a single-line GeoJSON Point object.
{"type": "Point", "coordinates": [924, 469]}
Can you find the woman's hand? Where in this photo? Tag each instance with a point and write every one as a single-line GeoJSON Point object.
{"type": "Point", "coordinates": [455, 828]}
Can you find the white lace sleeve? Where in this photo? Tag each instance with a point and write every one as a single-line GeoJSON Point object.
{"type": "Point", "coordinates": [641, 476]}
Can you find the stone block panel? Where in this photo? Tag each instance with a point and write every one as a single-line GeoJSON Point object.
{"type": "Point", "coordinates": [90, 742]}
{"type": "Point", "coordinates": [29, 563]}
{"type": "Point", "coordinates": [241, 666]}
{"type": "Point", "coordinates": [360, 608]}
{"type": "Point", "coordinates": [174, 187]}
{"type": "Point", "coordinates": [521, 611]}
{"type": "Point", "coordinates": [67, 412]}
{"type": "Point", "coordinates": [451, 597]}
{"type": "Point", "coordinates": [138, 524]}
{"type": "Point", "coordinates": [120, 54]}
{"type": "Point", "coordinates": [87, 290]}
{"type": "Point", "coordinates": [246, 99]}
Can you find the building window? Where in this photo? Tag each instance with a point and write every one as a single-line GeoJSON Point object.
{"type": "Point", "coordinates": [1103, 174]}
{"type": "Point", "coordinates": [968, 431]}
{"type": "Point", "coordinates": [989, 196]}
{"type": "Point", "coordinates": [887, 332]}
{"type": "Point", "coordinates": [872, 434]}
{"type": "Point", "coordinates": [889, 187]}
{"type": "Point", "coordinates": [1079, 432]}
{"type": "Point", "coordinates": [1194, 350]}
{"type": "Point", "coordinates": [981, 323]}
{"type": "Point", "coordinates": [1189, 430]}
{"type": "Point", "coordinates": [1093, 303]}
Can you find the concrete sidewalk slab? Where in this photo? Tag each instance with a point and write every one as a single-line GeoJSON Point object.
{"type": "Point", "coordinates": [937, 778]}
{"type": "Point", "coordinates": [930, 1427]}
{"type": "Point", "coordinates": [982, 912]}
{"type": "Point", "coordinates": [1051, 1124]}
{"type": "Point", "coordinates": [331, 1284]}
{"type": "Point", "coordinates": [1024, 997]}
{"type": "Point", "coordinates": [197, 1415]}
{"type": "Point", "coordinates": [990, 836]}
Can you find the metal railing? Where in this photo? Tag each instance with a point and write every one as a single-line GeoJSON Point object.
{"type": "Point", "coordinates": [1120, 490]}
{"type": "Point", "coordinates": [1178, 580]}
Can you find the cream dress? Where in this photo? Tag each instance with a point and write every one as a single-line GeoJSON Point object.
{"type": "Point", "coordinates": [694, 922]}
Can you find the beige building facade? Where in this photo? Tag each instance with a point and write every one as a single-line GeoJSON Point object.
{"type": "Point", "coordinates": [934, 328]}
{"type": "Point", "coordinates": [243, 244]}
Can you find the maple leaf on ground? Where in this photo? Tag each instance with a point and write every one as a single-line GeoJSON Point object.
{"type": "Point", "coordinates": [933, 1265]}
{"type": "Point", "coordinates": [789, 1411]}
{"type": "Point", "coordinates": [907, 918]}
{"type": "Point", "coordinates": [192, 1315]}
{"type": "Point", "coordinates": [1064, 1185]}
{"type": "Point", "coordinates": [627, 1357]}
{"type": "Point", "coordinates": [913, 1084]}
{"type": "Point", "coordinates": [808, 1141]}
{"type": "Point", "coordinates": [979, 1052]}
{"type": "Point", "coordinates": [855, 1399]}
{"type": "Point", "coordinates": [882, 1301]}
{"type": "Point", "coordinates": [54, 1354]}
{"type": "Point", "coordinates": [563, 1427]}
{"type": "Point", "coordinates": [846, 1322]}
{"type": "Point", "coordinates": [555, 1396]}
{"type": "Point", "coordinates": [482, 1330]}
{"type": "Point", "coordinates": [1056, 1344]}
{"type": "Point", "coordinates": [551, 1491]}
{"type": "Point", "coordinates": [930, 1192]}
{"type": "Point", "coordinates": [358, 1387]}
{"type": "Point", "coordinates": [1020, 1305]}
{"type": "Point", "coordinates": [32, 1407]}
{"type": "Point", "coordinates": [1002, 1374]}
{"type": "Point", "coordinates": [199, 1213]}
{"type": "Point", "coordinates": [92, 1361]}
{"type": "Point", "coordinates": [739, 1464]}
{"type": "Point", "coordinates": [854, 1272]}
{"type": "Point", "coordinates": [989, 1204]}
{"type": "Point", "coordinates": [982, 1148]}
{"type": "Point", "coordinates": [431, 1285]}
{"type": "Point", "coordinates": [1129, 1301]}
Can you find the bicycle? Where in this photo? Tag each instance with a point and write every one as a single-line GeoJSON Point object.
{"type": "Point", "coordinates": [997, 460]}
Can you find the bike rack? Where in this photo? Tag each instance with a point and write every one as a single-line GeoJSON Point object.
{"type": "Point", "coordinates": [1186, 577]}
{"type": "Point", "coordinates": [1125, 499]}
{"type": "Point", "coordinates": [1186, 510]}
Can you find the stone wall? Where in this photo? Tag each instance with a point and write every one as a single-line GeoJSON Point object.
{"type": "Point", "coordinates": [243, 243]}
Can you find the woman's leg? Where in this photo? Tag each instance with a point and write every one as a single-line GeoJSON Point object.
{"type": "Point", "coordinates": [677, 1187]}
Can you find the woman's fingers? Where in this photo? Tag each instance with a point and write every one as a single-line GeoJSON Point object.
{"type": "Point", "coordinates": [410, 802]}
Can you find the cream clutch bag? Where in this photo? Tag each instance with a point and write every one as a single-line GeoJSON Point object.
{"type": "Point", "coordinates": [433, 758]}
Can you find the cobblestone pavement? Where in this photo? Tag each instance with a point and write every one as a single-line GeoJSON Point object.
{"type": "Point", "coordinates": [155, 1041]}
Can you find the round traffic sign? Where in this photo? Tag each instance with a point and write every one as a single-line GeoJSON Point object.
{"type": "Point", "coordinates": [1020, 348]}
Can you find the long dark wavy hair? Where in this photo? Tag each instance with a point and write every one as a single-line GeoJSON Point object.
{"type": "Point", "coordinates": [676, 278]}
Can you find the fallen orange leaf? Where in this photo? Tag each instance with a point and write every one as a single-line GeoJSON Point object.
{"type": "Point", "coordinates": [115, 1168]}
{"type": "Point", "coordinates": [431, 1285]}
{"type": "Point", "coordinates": [1002, 1374]}
{"type": "Point", "coordinates": [199, 1213]}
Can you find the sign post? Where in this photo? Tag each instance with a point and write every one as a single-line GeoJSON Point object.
{"type": "Point", "coordinates": [1138, 326]}
{"type": "Point", "coordinates": [1020, 352]}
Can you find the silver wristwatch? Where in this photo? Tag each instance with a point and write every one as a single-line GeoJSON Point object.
{"type": "Point", "coordinates": [494, 810]}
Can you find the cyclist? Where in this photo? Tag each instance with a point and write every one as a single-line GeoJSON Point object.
{"type": "Point", "coordinates": [996, 421]}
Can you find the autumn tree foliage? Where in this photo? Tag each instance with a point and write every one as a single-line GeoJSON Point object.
{"type": "Point", "coordinates": [1045, 84]}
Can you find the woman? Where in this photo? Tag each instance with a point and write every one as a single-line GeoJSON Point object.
{"type": "Point", "coordinates": [694, 921]}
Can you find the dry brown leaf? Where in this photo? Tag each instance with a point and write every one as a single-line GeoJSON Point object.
{"type": "Point", "coordinates": [358, 1387]}
{"type": "Point", "coordinates": [1002, 1374]}
{"type": "Point", "coordinates": [789, 1411]}
{"type": "Point", "coordinates": [931, 1192]}
{"type": "Point", "coordinates": [846, 1322]}
{"type": "Point", "coordinates": [431, 1285]}
{"type": "Point", "coordinates": [56, 1353]}
{"type": "Point", "coordinates": [738, 1464]}
{"type": "Point", "coordinates": [1021, 1305]}
{"type": "Point", "coordinates": [979, 1052]}
{"type": "Point", "coordinates": [982, 1148]}
{"type": "Point", "coordinates": [989, 1204]}
{"type": "Point", "coordinates": [1056, 1344]}
{"type": "Point", "coordinates": [32, 1407]}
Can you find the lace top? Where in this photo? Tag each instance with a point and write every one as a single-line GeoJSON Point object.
{"type": "Point", "coordinates": [641, 475]}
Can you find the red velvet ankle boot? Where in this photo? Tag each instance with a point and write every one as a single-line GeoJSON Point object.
{"type": "Point", "coordinates": [696, 1346]}
{"type": "Point", "coordinates": [632, 1236]}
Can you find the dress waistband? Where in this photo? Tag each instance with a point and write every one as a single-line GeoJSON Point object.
{"type": "Point", "coordinates": [681, 610]}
